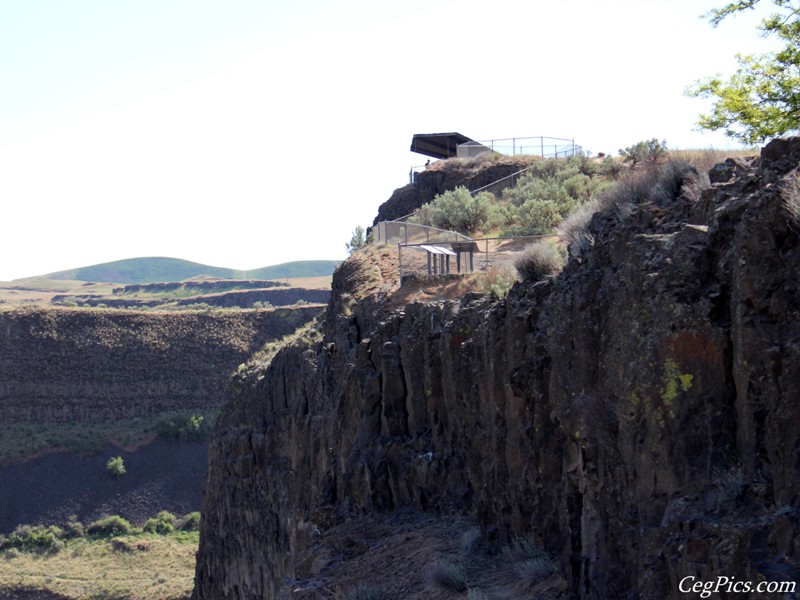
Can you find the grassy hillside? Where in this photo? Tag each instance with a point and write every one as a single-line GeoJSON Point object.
{"type": "Point", "coordinates": [295, 269]}
{"type": "Point", "coordinates": [135, 566]}
{"type": "Point", "coordinates": [163, 269]}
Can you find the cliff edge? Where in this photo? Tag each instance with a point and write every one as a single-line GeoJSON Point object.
{"type": "Point", "coordinates": [635, 417]}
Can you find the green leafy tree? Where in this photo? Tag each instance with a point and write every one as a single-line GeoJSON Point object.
{"type": "Point", "coordinates": [761, 100]}
{"type": "Point", "coordinates": [357, 241]}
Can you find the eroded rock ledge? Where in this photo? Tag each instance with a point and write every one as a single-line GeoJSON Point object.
{"type": "Point", "coordinates": [637, 415]}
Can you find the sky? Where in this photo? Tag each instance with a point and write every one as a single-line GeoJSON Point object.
{"type": "Point", "coordinates": [245, 133]}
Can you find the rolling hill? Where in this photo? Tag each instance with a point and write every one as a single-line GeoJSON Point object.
{"type": "Point", "coordinates": [163, 269]}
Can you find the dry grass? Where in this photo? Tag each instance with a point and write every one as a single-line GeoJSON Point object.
{"type": "Point", "coordinates": [704, 159]}
{"type": "Point", "coordinates": [309, 283]}
{"type": "Point", "coordinates": [483, 160]}
{"type": "Point", "coordinates": [155, 568]}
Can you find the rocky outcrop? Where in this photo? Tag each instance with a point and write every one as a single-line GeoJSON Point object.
{"type": "Point", "coordinates": [62, 365]}
{"type": "Point", "coordinates": [637, 415]}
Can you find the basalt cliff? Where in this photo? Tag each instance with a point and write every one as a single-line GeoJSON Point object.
{"type": "Point", "coordinates": [637, 417]}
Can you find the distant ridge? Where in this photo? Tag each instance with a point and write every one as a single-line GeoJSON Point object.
{"type": "Point", "coordinates": [163, 269]}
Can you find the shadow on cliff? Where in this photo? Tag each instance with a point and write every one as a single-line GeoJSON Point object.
{"type": "Point", "coordinates": [164, 475]}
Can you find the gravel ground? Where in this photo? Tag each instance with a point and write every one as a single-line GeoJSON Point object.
{"type": "Point", "coordinates": [163, 475]}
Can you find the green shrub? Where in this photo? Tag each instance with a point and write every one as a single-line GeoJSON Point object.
{"type": "Point", "coordinates": [612, 168]}
{"type": "Point", "coordinates": [644, 151]}
{"type": "Point", "coordinates": [538, 261]}
{"type": "Point", "coordinates": [536, 217]}
{"type": "Point", "coordinates": [109, 526]}
{"type": "Point", "coordinates": [35, 538]}
{"type": "Point", "coordinates": [547, 193]}
{"type": "Point", "coordinates": [497, 281]}
{"type": "Point", "coordinates": [163, 523]}
{"type": "Point", "coordinates": [73, 528]}
{"type": "Point", "coordinates": [184, 428]}
{"type": "Point", "coordinates": [116, 467]}
{"type": "Point", "coordinates": [457, 210]}
{"type": "Point", "coordinates": [190, 522]}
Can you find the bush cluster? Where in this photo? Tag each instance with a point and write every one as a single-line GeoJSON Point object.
{"type": "Point", "coordinates": [550, 191]}
{"type": "Point", "coordinates": [52, 538]}
{"type": "Point", "coordinates": [184, 428]}
{"type": "Point", "coordinates": [163, 523]}
{"type": "Point", "coordinates": [190, 522]}
{"type": "Point", "coordinates": [35, 538]}
{"type": "Point", "coordinates": [109, 526]}
{"type": "Point", "coordinates": [540, 200]}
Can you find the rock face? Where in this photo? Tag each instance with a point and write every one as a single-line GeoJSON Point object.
{"type": "Point", "coordinates": [637, 415]}
{"type": "Point", "coordinates": [61, 365]}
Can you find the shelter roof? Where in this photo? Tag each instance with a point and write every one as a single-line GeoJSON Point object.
{"type": "Point", "coordinates": [438, 145]}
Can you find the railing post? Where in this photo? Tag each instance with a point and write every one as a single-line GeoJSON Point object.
{"type": "Point", "coordinates": [400, 261]}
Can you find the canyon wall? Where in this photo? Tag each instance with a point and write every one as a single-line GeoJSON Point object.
{"type": "Point", "coordinates": [638, 416]}
{"type": "Point", "coordinates": [62, 365]}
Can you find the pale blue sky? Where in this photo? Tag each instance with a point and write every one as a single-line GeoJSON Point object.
{"type": "Point", "coordinates": [245, 133]}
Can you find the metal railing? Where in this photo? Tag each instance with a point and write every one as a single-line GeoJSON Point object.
{"type": "Point", "coordinates": [394, 232]}
{"type": "Point", "coordinates": [544, 146]}
{"type": "Point", "coordinates": [460, 257]}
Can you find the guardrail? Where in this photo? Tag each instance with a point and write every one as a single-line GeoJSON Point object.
{"type": "Point", "coordinates": [393, 232]}
{"type": "Point", "coordinates": [544, 146]}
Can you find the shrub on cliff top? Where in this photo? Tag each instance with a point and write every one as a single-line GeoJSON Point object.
{"type": "Point", "coordinates": [644, 151]}
{"type": "Point", "coordinates": [457, 210]}
{"type": "Point", "coordinates": [538, 261]}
